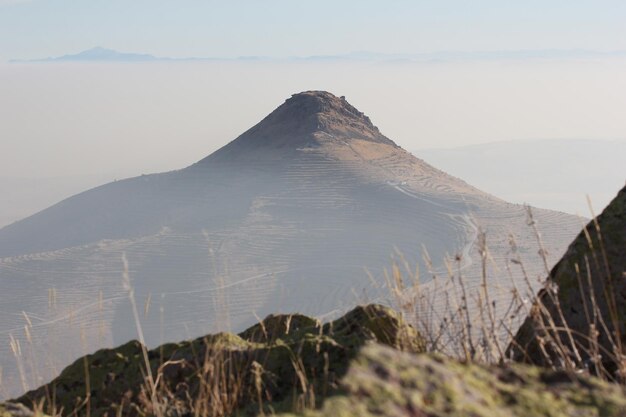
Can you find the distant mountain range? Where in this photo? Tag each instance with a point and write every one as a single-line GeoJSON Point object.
{"type": "Point", "coordinates": [99, 54]}
{"type": "Point", "coordinates": [299, 213]}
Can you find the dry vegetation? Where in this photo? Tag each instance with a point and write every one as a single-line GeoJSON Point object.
{"type": "Point", "coordinates": [467, 324]}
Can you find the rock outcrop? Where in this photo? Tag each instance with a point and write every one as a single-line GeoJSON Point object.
{"type": "Point", "coordinates": [383, 382]}
{"type": "Point", "coordinates": [579, 319]}
{"type": "Point", "coordinates": [363, 364]}
{"type": "Point", "coordinates": [279, 362]}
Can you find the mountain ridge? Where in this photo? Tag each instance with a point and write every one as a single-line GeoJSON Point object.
{"type": "Point", "coordinates": [356, 56]}
{"type": "Point", "coordinates": [99, 53]}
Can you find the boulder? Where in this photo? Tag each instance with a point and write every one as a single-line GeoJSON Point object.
{"type": "Point", "coordinates": [384, 382]}
{"type": "Point", "coordinates": [579, 318]}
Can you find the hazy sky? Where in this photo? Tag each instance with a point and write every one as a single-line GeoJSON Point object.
{"type": "Point", "coordinates": [73, 119]}
{"type": "Point", "coordinates": [116, 120]}
{"type": "Point", "coordinates": [40, 28]}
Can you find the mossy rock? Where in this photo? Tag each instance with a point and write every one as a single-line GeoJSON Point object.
{"type": "Point", "coordinates": [385, 382]}
{"type": "Point", "coordinates": [376, 322]}
{"type": "Point", "coordinates": [277, 364]}
{"type": "Point", "coordinates": [592, 272]}
{"type": "Point", "coordinates": [279, 326]}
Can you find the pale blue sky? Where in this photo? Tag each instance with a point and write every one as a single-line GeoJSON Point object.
{"type": "Point", "coordinates": [41, 28]}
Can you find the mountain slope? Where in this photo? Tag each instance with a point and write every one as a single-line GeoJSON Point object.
{"type": "Point", "coordinates": [287, 217]}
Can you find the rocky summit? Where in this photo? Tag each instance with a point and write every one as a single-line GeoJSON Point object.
{"type": "Point", "coordinates": [307, 119]}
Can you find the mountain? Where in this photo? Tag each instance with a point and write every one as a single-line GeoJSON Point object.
{"type": "Point", "coordinates": [103, 54]}
{"type": "Point", "coordinates": [592, 167]}
{"type": "Point", "coordinates": [300, 213]}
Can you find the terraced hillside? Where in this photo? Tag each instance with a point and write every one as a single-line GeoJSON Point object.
{"type": "Point", "coordinates": [287, 217]}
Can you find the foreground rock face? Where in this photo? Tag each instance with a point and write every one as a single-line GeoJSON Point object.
{"type": "Point", "coordinates": [290, 363]}
{"type": "Point", "coordinates": [385, 382]}
{"type": "Point", "coordinates": [282, 361]}
{"type": "Point", "coordinates": [586, 292]}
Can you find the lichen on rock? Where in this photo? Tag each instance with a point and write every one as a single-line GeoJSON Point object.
{"type": "Point", "coordinates": [276, 363]}
{"type": "Point", "coordinates": [385, 382]}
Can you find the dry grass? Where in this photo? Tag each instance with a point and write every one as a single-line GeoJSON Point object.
{"type": "Point", "coordinates": [466, 325]}
{"type": "Point", "coordinates": [457, 321]}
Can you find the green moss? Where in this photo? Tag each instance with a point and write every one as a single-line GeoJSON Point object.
{"type": "Point", "coordinates": [284, 326]}
{"type": "Point", "coordinates": [290, 354]}
{"type": "Point", "coordinates": [385, 382]}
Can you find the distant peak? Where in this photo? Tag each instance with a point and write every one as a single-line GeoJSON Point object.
{"type": "Point", "coordinates": [98, 53]}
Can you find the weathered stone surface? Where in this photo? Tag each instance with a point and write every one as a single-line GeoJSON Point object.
{"type": "Point", "coordinates": [591, 273]}
{"type": "Point", "coordinates": [278, 326]}
{"type": "Point", "coordinates": [384, 382]}
{"type": "Point", "coordinates": [284, 360]}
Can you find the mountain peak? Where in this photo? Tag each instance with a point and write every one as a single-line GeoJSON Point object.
{"type": "Point", "coordinates": [307, 119]}
{"type": "Point", "coordinates": [321, 112]}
